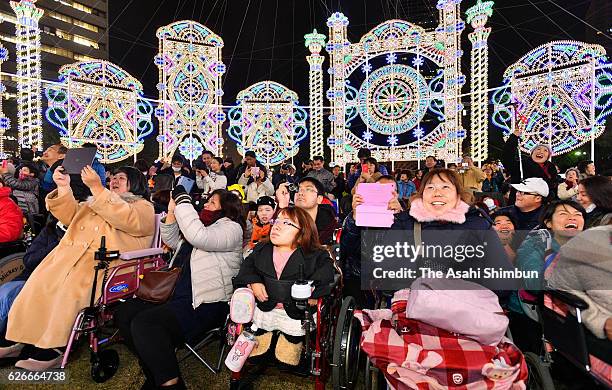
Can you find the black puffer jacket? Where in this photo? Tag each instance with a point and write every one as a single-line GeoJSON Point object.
{"type": "Point", "coordinates": [258, 267]}
{"type": "Point", "coordinates": [474, 231]}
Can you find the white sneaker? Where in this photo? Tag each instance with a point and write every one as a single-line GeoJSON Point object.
{"type": "Point", "coordinates": [11, 351]}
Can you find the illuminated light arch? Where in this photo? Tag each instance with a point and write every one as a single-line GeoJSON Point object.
{"type": "Point", "coordinates": [101, 103]}
{"type": "Point", "coordinates": [268, 120]}
{"type": "Point", "coordinates": [5, 123]}
{"type": "Point", "coordinates": [315, 42]}
{"type": "Point", "coordinates": [384, 86]}
{"type": "Point", "coordinates": [477, 16]}
{"type": "Point", "coordinates": [27, 45]}
{"type": "Point", "coordinates": [190, 71]}
{"type": "Point", "coordinates": [562, 94]}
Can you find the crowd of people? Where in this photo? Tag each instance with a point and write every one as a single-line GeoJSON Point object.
{"type": "Point", "coordinates": [249, 226]}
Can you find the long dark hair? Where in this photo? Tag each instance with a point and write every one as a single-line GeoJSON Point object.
{"type": "Point", "coordinates": [599, 189]}
{"type": "Point", "coordinates": [136, 180]}
{"type": "Point", "coordinates": [231, 206]}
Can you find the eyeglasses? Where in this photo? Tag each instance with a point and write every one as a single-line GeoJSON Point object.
{"type": "Point", "coordinates": [284, 222]}
{"type": "Point", "coordinates": [304, 190]}
{"type": "Point", "coordinates": [528, 193]}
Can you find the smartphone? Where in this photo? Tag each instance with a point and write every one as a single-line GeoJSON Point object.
{"type": "Point", "coordinates": [364, 168]}
{"type": "Point", "coordinates": [4, 163]}
{"type": "Point", "coordinates": [255, 172]}
{"type": "Point", "coordinates": [465, 165]}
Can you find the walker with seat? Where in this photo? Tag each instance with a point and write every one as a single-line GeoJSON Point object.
{"type": "Point", "coordinates": [118, 283]}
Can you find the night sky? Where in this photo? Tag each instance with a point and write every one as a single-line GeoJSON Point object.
{"type": "Point", "coordinates": [264, 38]}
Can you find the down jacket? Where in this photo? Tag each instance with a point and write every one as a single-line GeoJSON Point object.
{"type": "Point", "coordinates": [216, 255]}
{"type": "Point", "coordinates": [25, 191]}
{"type": "Point", "coordinates": [11, 217]}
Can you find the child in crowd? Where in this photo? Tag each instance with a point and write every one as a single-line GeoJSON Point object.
{"type": "Point", "coordinates": [262, 220]}
{"type": "Point", "coordinates": [405, 186]}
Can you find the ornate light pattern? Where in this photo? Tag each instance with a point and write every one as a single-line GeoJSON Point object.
{"type": "Point", "coordinates": [397, 76]}
{"type": "Point", "coordinates": [561, 93]}
{"type": "Point", "coordinates": [190, 71]}
{"type": "Point", "coordinates": [479, 84]}
{"type": "Point", "coordinates": [5, 123]}
{"type": "Point", "coordinates": [314, 43]}
{"type": "Point", "coordinates": [268, 120]}
{"type": "Point", "coordinates": [101, 103]}
{"type": "Point", "coordinates": [29, 109]}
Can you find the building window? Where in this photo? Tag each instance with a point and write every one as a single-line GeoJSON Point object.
{"type": "Point", "coordinates": [82, 57]}
{"type": "Point", "coordinates": [86, 26]}
{"type": "Point", "coordinates": [85, 41]}
{"type": "Point", "coordinates": [81, 7]}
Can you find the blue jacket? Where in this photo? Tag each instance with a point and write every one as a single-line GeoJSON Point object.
{"type": "Point", "coordinates": [530, 256]}
{"type": "Point", "coordinates": [405, 189]}
{"type": "Point", "coordinates": [48, 184]}
{"type": "Point", "coordinates": [45, 242]}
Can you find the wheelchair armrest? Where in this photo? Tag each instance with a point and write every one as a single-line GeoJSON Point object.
{"type": "Point", "coordinates": [568, 298]}
{"type": "Point", "coordinates": [131, 255]}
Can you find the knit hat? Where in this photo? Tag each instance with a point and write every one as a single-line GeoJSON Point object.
{"type": "Point", "coordinates": [266, 201]}
{"type": "Point", "coordinates": [543, 145]}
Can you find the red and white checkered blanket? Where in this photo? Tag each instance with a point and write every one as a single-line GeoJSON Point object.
{"type": "Point", "coordinates": [415, 355]}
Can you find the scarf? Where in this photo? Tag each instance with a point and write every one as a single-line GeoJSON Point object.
{"type": "Point", "coordinates": [209, 217]}
{"type": "Point", "coordinates": [455, 215]}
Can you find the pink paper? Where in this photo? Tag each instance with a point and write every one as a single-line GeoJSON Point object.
{"type": "Point", "coordinates": [374, 212]}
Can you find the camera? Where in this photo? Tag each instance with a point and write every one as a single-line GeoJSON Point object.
{"type": "Point", "coordinates": [292, 188]}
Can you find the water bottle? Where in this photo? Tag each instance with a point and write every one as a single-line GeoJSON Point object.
{"type": "Point", "coordinates": [241, 350]}
{"type": "Point", "coordinates": [301, 290]}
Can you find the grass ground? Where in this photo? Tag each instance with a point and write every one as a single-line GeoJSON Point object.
{"type": "Point", "coordinates": [196, 376]}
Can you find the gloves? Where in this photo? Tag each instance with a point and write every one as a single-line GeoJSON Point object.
{"type": "Point", "coordinates": [180, 196]}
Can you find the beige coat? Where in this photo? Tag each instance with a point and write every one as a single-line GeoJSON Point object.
{"type": "Point", "coordinates": [45, 310]}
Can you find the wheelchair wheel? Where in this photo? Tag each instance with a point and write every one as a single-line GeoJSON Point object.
{"type": "Point", "coordinates": [104, 365]}
{"type": "Point", "coordinates": [539, 373]}
{"type": "Point", "coordinates": [345, 359]}
{"type": "Point", "coordinates": [374, 378]}
{"type": "Point", "coordinates": [11, 266]}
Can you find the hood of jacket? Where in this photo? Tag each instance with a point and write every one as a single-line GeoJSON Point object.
{"type": "Point", "coordinates": [5, 192]}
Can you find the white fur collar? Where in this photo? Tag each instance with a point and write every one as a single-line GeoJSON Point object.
{"type": "Point", "coordinates": [455, 215]}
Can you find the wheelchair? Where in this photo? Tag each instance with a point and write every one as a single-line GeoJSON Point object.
{"type": "Point", "coordinates": [11, 253]}
{"type": "Point", "coordinates": [118, 283]}
{"type": "Point", "coordinates": [331, 340]}
{"type": "Point", "coordinates": [565, 334]}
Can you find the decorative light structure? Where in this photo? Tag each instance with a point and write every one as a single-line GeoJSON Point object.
{"type": "Point", "coordinates": [559, 93]}
{"type": "Point", "coordinates": [268, 120]}
{"type": "Point", "coordinates": [451, 27]}
{"type": "Point", "coordinates": [190, 71]}
{"type": "Point", "coordinates": [315, 42]}
{"type": "Point", "coordinates": [29, 109]}
{"type": "Point", "coordinates": [5, 123]}
{"type": "Point", "coordinates": [101, 103]}
{"type": "Point", "coordinates": [397, 90]}
{"type": "Point", "coordinates": [479, 81]}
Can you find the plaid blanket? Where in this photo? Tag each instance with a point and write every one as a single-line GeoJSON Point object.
{"type": "Point", "coordinates": [418, 356]}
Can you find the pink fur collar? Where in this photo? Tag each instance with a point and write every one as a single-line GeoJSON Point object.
{"type": "Point", "coordinates": [456, 215]}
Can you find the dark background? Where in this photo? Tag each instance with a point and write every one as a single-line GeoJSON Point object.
{"type": "Point", "coordinates": [264, 39]}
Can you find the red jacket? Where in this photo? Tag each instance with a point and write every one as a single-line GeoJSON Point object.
{"type": "Point", "coordinates": [11, 218]}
